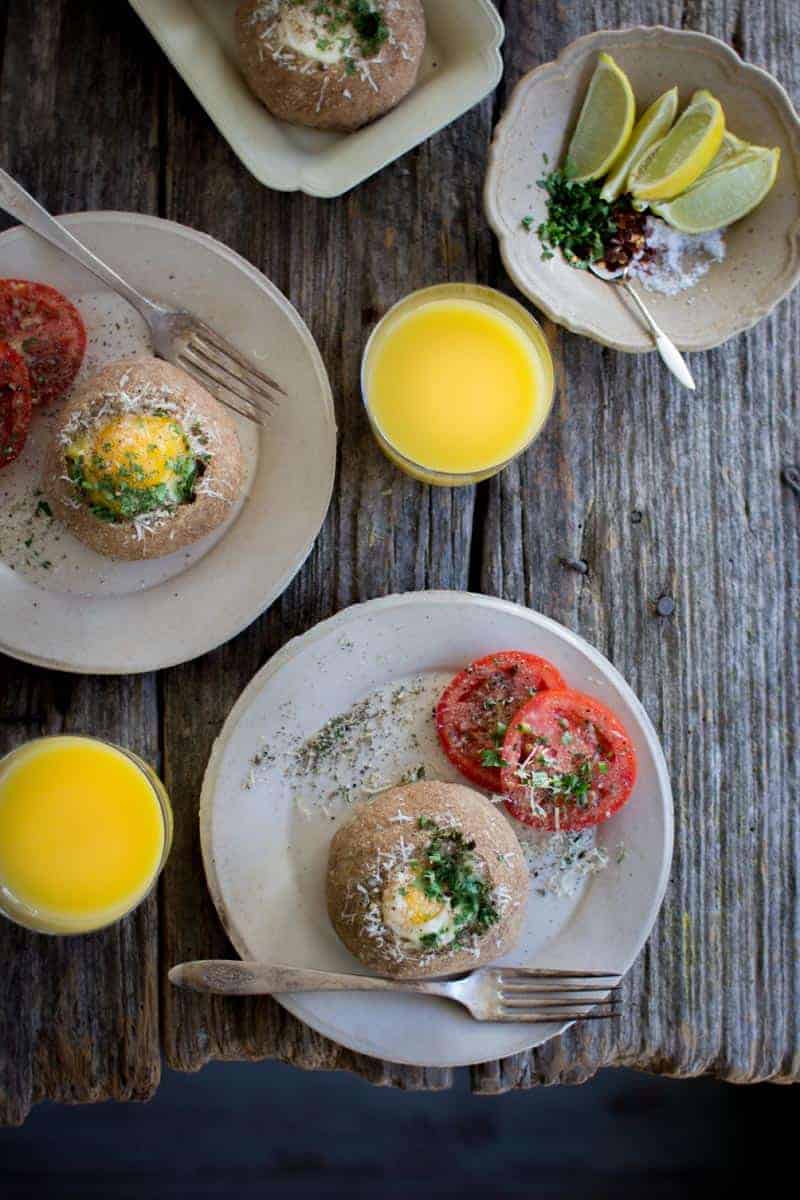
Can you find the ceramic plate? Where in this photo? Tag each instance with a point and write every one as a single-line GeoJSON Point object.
{"type": "Point", "coordinates": [461, 65]}
{"type": "Point", "coordinates": [762, 262]}
{"type": "Point", "coordinates": [64, 606]}
{"type": "Point", "coordinates": [266, 819]}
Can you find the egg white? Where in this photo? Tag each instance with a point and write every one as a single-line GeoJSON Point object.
{"type": "Point", "coordinates": [303, 32]}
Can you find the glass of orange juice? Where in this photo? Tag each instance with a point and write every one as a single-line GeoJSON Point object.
{"type": "Point", "coordinates": [85, 829]}
{"type": "Point", "coordinates": [457, 380]}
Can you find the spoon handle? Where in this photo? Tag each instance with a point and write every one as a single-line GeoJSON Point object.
{"type": "Point", "coordinates": [669, 352]}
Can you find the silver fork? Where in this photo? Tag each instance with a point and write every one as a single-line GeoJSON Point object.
{"type": "Point", "coordinates": [178, 336]}
{"type": "Point", "coordinates": [490, 993]}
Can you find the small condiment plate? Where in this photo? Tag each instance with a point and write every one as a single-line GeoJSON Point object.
{"type": "Point", "coordinates": [64, 606]}
{"type": "Point", "coordinates": [265, 832]}
{"type": "Point", "coordinates": [461, 65]}
{"type": "Point", "coordinates": [762, 263]}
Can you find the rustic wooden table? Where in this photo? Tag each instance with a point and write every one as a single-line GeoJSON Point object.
{"type": "Point", "coordinates": [663, 494]}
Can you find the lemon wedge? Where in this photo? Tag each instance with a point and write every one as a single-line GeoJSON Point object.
{"type": "Point", "coordinates": [651, 126]}
{"type": "Point", "coordinates": [674, 162]}
{"type": "Point", "coordinates": [604, 125]}
{"type": "Point", "coordinates": [730, 145]}
{"type": "Point", "coordinates": [725, 195]}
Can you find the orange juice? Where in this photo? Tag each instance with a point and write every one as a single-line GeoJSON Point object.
{"type": "Point", "coordinates": [84, 831]}
{"type": "Point", "coordinates": [457, 381]}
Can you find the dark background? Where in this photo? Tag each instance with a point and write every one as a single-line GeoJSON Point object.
{"type": "Point", "coordinates": [243, 1130]}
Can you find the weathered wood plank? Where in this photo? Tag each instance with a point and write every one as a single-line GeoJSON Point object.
{"type": "Point", "coordinates": [78, 126]}
{"type": "Point", "coordinates": [343, 263]}
{"type": "Point", "coordinates": [663, 493]}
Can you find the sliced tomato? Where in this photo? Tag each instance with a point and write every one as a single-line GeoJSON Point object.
{"type": "Point", "coordinates": [15, 403]}
{"type": "Point", "coordinates": [568, 762]}
{"type": "Point", "coordinates": [46, 329]}
{"type": "Point", "coordinates": [475, 709]}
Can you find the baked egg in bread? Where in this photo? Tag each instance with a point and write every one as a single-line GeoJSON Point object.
{"type": "Point", "coordinates": [332, 65]}
{"type": "Point", "coordinates": [143, 461]}
{"type": "Point", "coordinates": [426, 879]}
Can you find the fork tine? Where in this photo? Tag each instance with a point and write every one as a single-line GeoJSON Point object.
{"type": "Point", "coordinates": [507, 974]}
{"type": "Point", "coordinates": [208, 380]}
{"type": "Point", "coordinates": [249, 414]}
{"type": "Point", "coordinates": [224, 347]}
{"type": "Point", "coordinates": [557, 1017]}
{"type": "Point", "coordinates": [199, 350]}
{"type": "Point", "coordinates": [225, 378]}
{"type": "Point", "coordinates": [526, 1002]}
{"type": "Point", "coordinates": [557, 989]}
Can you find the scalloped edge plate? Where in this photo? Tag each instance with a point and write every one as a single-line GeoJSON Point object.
{"type": "Point", "coordinates": [763, 260]}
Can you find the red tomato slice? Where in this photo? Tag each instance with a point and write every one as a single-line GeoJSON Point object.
{"type": "Point", "coordinates": [568, 762]}
{"type": "Point", "coordinates": [15, 404]}
{"type": "Point", "coordinates": [475, 708]}
{"type": "Point", "coordinates": [47, 330]}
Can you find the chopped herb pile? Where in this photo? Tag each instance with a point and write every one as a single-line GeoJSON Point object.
{"type": "Point", "coordinates": [586, 228]}
{"type": "Point", "coordinates": [576, 786]}
{"type": "Point", "coordinates": [337, 16]}
{"type": "Point", "coordinates": [578, 222]}
{"type": "Point", "coordinates": [369, 25]}
{"type": "Point", "coordinates": [449, 871]}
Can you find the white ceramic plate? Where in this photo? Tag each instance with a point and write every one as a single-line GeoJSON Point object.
{"type": "Point", "coordinates": [461, 65]}
{"type": "Point", "coordinates": [64, 606]}
{"type": "Point", "coordinates": [265, 846]}
{"type": "Point", "coordinates": [762, 262]}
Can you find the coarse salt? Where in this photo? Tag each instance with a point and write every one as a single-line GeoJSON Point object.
{"type": "Point", "coordinates": [679, 260]}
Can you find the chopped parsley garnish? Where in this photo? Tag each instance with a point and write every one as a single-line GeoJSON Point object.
{"type": "Point", "coordinates": [364, 18]}
{"type": "Point", "coordinates": [568, 787]}
{"type": "Point", "coordinates": [115, 493]}
{"type": "Point", "coordinates": [450, 871]}
{"type": "Point", "coordinates": [369, 25]}
{"type": "Point", "coordinates": [491, 757]}
{"type": "Point", "coordinates": [578, 221]}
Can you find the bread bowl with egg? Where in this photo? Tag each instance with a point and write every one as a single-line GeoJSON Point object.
{"type": "Point", "coordinates": [426, 879]}
{"type": "Point", "coordinates": [335, 64]}
{"type": "Point", "coordinates": [143, 461]}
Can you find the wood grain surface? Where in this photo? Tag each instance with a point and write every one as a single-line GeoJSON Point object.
{"type": "Point", "coordinates": [663, 494]}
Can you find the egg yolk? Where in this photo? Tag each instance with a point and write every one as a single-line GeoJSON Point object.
{"type": "Point", "coordinates": [415, 918]}
{"type": "Point", "coordinates": [133, 463]}
{"type": "Point", "coordinates": [420, 908]}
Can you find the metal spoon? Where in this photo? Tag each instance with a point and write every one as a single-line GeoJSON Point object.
{"type": "Point", "coordinates": [669, 352]}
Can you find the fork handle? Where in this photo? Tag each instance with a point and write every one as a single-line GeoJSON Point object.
{"type": "Point", "coordinates": [29, 212]}
{"type": "Point", "coordinates": [226, 977]}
